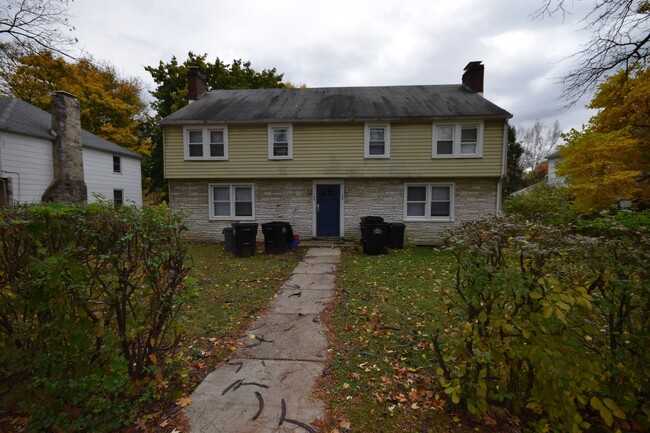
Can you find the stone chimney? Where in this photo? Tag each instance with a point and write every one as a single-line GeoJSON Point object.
{"type": "Point", "coordinates": [197, 85]}
{"type": "Point", "coordinates": [473, 77]}
{"type": "Point", "coordinates": [68, 183]}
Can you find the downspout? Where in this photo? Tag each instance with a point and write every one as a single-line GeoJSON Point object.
{"type": "Point", "coordinates": [504, 153]}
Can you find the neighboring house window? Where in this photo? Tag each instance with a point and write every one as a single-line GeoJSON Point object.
{"type": "Point", "coordinates": [457, 140]}
{"type": "Point", "coordinates": [206, 143]}
{"type": "Point", "coordinates": [117, 164]}
{"type": "Point", "coordinates": [231, 201]}
{"type": "Point", "coordinates": [118, 197]}
{"type": "Point", "coordinates": [430, 201]}
{"type": "Point", "coordinates": [280, 142]}
{"type": "Point", "coordinates": [377, 141]}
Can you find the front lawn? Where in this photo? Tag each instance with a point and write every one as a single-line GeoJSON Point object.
{"type": "Point", "coordinates": [381, 376]}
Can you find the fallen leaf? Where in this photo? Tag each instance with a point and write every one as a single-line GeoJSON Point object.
{"type": "Point", "coordinates": [183, 401]}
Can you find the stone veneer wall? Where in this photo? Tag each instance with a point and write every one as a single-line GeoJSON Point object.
{"type": "Point", "coordinates": [291, 200]}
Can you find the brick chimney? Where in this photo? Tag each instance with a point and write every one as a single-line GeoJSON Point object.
{"type": "Point", "coordinates": [68, 183]}
{"type": "Point", "coordinates": [473, 77]}
{"type": "Point", "coordinates": [197, 85]}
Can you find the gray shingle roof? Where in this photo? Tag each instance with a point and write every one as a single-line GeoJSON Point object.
{"type": "Point", "coordinates": [337, 103]}
{"type": "Point", "coordinates": [553, 155]}
{"type": "Point", "coordinates": [24, 118]}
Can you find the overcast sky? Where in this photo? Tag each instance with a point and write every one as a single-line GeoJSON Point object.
{"type": "Point", "coordinates": [353, 43]}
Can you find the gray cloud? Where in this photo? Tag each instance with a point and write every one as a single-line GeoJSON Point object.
{"type": "Point", "coordinates": [351, 43]}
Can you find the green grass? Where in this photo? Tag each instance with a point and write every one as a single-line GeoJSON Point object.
{"type": "Point", "coordinates": [386, 312]}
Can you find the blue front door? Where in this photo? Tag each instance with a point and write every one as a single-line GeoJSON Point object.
{"type": "Point", "coordinates": [328, 210]}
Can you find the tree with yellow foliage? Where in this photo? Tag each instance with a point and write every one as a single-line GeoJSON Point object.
{"type": "Point", "coordinates": [609, 160]}
{"type": "Point", "coordinates": [110, 105]}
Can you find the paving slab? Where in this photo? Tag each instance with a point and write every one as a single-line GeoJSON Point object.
{"type": "Point", "coordinates": [307, 267]}
{"type": "Point", "coordinates": [299, 301]}
{"type": "Point", "coordinates": [215, 412]}
{"type": "Point", "coordinates": [310, 281]}
{"type": "Point", "coordinates": [283, 353]}
{"type": "Point", "coordinates": [324, 252]}
{"type": "Point", "coordinates": [284, 336]}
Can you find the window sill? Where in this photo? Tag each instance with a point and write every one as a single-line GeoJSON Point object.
{"type": "Point", "coordinates": [229, 218]}
{"type": "Point", "coordinates": [456, 156]}
{"type": "Point", "coordinates": [429, 220]}
{"type": "Point", "coordinates": [377, 157]}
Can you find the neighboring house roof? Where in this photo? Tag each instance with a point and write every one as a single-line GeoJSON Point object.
{"type": "Point", "coordinates": [554, 155]}
{"type": "Point", "coordinates": [337, 103]}
{"type": "Point", "coordinates": [24, 118]}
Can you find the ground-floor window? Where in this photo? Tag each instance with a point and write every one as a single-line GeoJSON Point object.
{"type": "Point", "coordinates": [232, 201]}
{"type": "Point", "coordinates": [118, 197]}
{"type": "Point", "coordinates": [429, 201]}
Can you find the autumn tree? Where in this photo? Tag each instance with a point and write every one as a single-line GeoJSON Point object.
{"type": "Point", "coordinates": [620, 41]}
{"type": "Point", "coordinates": [111, 106]}
{"type": "Point", "coordinates": [170, 94]}
{"type": "Point", "coordinates": [537, 141]}
{"type": "Point", "coordinates": [609, 159]}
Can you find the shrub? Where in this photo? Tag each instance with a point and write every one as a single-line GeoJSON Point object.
{"type": "Point", "coordinates": [549, 204]}
{"type": "Point", "coordinates": [549, 324]}
{"type": "Point", "coordinates": [89, 297]}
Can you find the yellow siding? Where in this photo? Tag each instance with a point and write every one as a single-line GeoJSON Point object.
{"type": "Point", "coordinates": [334, 150]}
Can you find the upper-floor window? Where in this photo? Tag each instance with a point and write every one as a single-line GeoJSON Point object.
{"type": "Point", "coordinates": [457, 140]}
{"type": "Point", "coordinates": [206, 143]}
{"type": "Point", "coordinates": [232, 201]}
{"type": "Point", "coordinates": [429, 201]}
{"type": "Point", "coordinates": [377, 141]}
{"type": "Point", "coordinates": [117, 164]}
{"type": "Point", "coordinates": [280, 141]}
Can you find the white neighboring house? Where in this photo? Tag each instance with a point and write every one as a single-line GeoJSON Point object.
{"type": "Point", "coordinates": [26, 161]}
{"type": "Point", "coordinates": [552, 177]}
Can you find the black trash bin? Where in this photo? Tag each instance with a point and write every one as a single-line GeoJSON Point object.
{"type": "Point", "coordinates": [375, 242]}
{"type": "Point", "coordinates": [396, 235]}
{"type": "Point", "coordinates": [278, 236]}
{"type": "Point", "coordinates": [227, 237]}
{"type": "Point", "coordinates": [368, 220]}
{"type": "Point", "coordinates": [244, 238]}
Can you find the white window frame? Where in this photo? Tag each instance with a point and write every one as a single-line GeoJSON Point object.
{"type": "Point", "coordinates": [231, 197]}
{"type": "Point", "coordinates": [456, 146]}
{"type": "Point", "coordinates": [366, 140]}
{"type": "Point", "coordinates": [121, 191]}
{"type": "Point", "coordinates": [427, 216]}
{"type": "Point", "coordinates": [271, 129]}
{"type": "Point", "coordinates": [119, 164]}
{"type": "Point", "coordinates": [205, 136]}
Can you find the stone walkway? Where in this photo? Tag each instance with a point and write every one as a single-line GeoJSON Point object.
{"type": "Point", "coordinates": [268, 385]}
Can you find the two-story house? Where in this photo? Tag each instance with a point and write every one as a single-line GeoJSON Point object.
{"type": "Point", "coordinates": [321, 158]}
{"type": "Point", "coordinates": [29, 162]}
